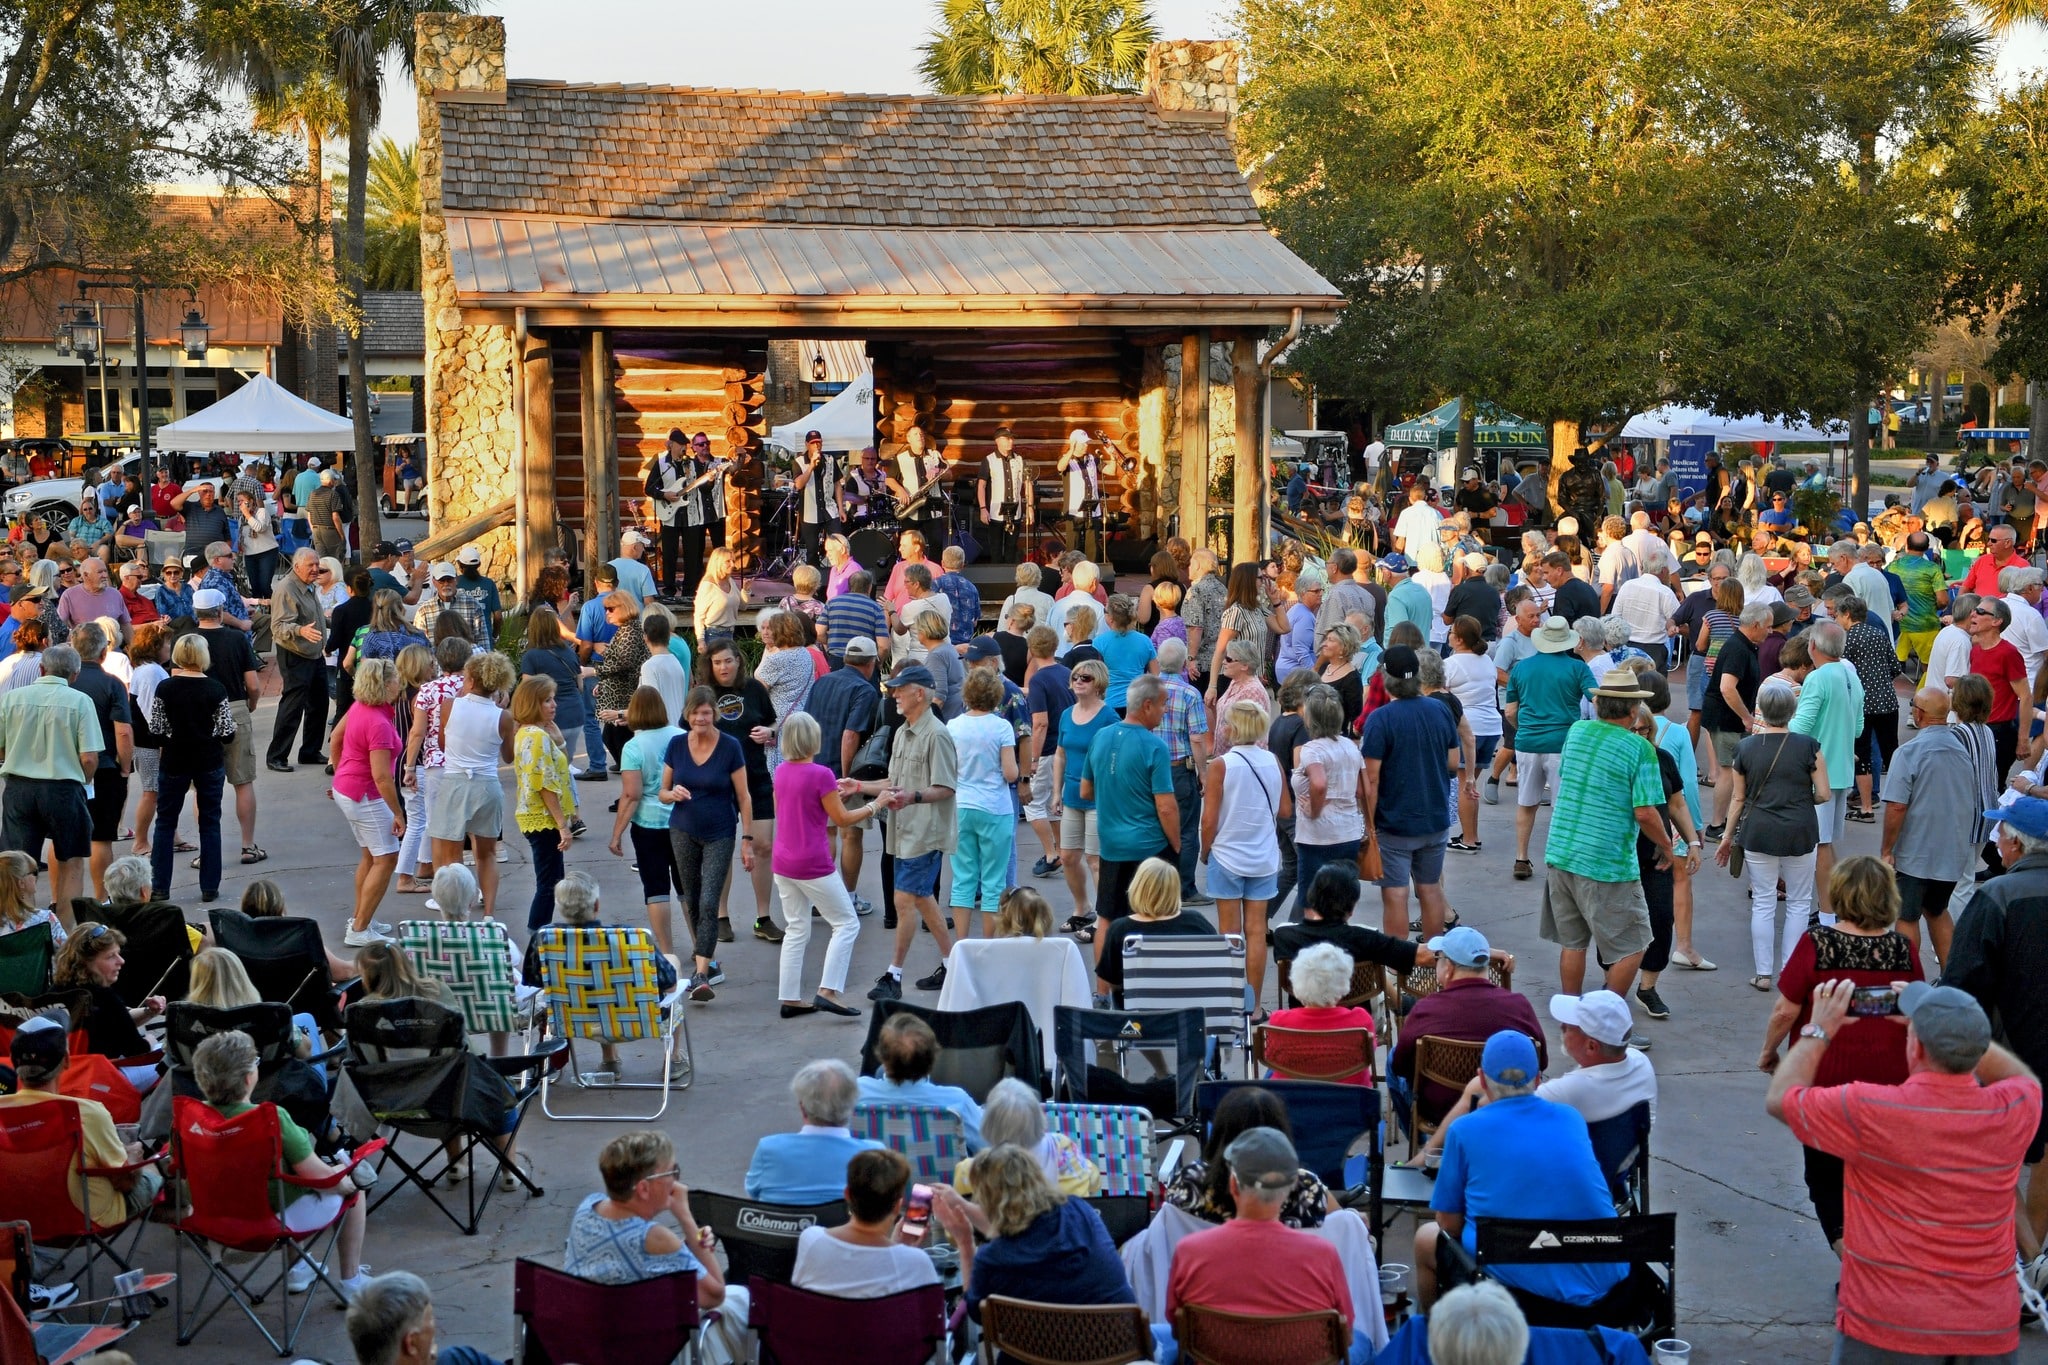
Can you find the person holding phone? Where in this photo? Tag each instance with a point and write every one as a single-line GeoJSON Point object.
{"type": "Point", "coordinates": [1864, 947]}
{"type": "Point", "coordinates": [878, 1251]}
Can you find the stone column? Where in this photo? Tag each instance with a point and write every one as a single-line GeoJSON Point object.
{"type": "Point", "coordinates": [471, 428]}
{"type": "Point", "coordinates": [1187, 78]}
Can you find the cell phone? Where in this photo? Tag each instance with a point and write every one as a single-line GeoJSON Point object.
{"type": "Point", "coordinates": [1873, 1000]}
{"type": "Point", "coordinates": [917, 1211]}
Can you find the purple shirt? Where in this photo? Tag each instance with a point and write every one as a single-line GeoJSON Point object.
{"type": "Point", "coordinates": [801, 849]}
{"type": "Point", "coordinates": [79, 605]}
{"type": "Point", "coordinates": [835, 582]}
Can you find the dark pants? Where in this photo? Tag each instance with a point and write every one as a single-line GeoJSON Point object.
{"type": "Point", "coordinates": [671, 556]}
{"type": "Point", "coordinates": [170, 802]}
{"type": "Point", "coordinates": [1659, 652]}
{"type": "Point", "coordinates": [615, 737]}
{"type": "Point", "coordinates": [700, 872]}
{"type": "Point", "coordinates": [593, 732]}
{"type": "Point", "coordinates": [36, 809]}
{"type": "Point", "coordinates": [2005, 738]}
{"type": "Point", "coordinates": [547, 874]}
{"type": "Point", "coordinates": [1824, 1188]}
{"type": "Point", "coordinates": [262, 567]}
{"type": "Point", "coordinates": [810, 537]}
{"type": "Point", "coordinates": [1309, 860]}
{"type": "Point", "coordinates": [1187, 790]}
{"type": "Point", "coordinates": [1879, 740]}
{"type": "Point", "coordinates": [303, 701]}
{"type": "Point", "coordinates": [1112, 891]}
{"type": "Point", "coordinates": [999, 543]}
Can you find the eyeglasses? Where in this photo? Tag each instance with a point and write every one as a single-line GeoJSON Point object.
{"type": "Point", "coordinates": [672, 1173]}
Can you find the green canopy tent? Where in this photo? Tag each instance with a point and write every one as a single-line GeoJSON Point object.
{"type": "Point", "coordinates": [1492, 427]}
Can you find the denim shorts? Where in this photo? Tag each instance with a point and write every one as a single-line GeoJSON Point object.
{"type": "Point", "coordinates": [919, 876]}
{"type": "Point", "coordinates": [1226, 885]}
{"type": "Point", "coordinates": [1416, 857]}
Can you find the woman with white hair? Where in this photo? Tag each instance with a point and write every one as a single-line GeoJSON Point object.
{"type": "Point", "coordinates": [1429, 572]}
{"type": "Point", "coordinates": [576, 912]}
{"type": "Point", "coordinates": [807, 804]}
{"type": "Point", "coordinates": [457, 900]}
{"type": "Point", "coordinates": [1754, 576]}
{"type": "Point", "coordinates": [1779, 779]}
{"type": "Point", "coordinates": [1013, 1113]}
{"type": "Point", "coordinates": [1320, 978]}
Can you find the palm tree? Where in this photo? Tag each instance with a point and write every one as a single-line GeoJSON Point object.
{"type": "Point", "coordinates": [391, 258]}
{"type": "Point", "coordinates": [2003, 16]}
{"type": "Point", "coordinates": [1038, 47]}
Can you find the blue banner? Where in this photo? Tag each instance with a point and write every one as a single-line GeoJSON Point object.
{"type": "Point", "coordinates": [1689, 462]}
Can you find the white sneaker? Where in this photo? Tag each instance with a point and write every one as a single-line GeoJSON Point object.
{"type": "Point", "coordinates": [363, 938]}
{"type": "Point", "coordinates": [382, 926]}
{"type": "Point", "coordinates": [354, 1284]}
{"type": "Point", "coordinates": [300, 1278]}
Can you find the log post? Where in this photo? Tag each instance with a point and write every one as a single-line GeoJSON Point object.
{"type": "Point", "coordinates": [1152, 440]}
{"type": "Point", "coordinates": [537, 473]}
{"type": "Point", "coordinates": [1248, 484]}
{"type": "Point", "coordinates": [600, 454]}
{"type": "Point", "coordinates": [1194, 437]}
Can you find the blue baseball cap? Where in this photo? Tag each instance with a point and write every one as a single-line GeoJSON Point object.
{"type": "Point", "coordinates": [1464, 945]}
{"type": "Point", "coordinates": [2028, 815]}
{"type": "Point", "coordinates": [1397, 563]}
{"type": "Point", "coordinates": [1509, 1059]}
{"type": "Point", "coordinates": [912, 675]}
{"type": "Point", "coordinates": [984, 647]}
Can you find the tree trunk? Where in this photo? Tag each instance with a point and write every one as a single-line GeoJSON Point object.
{"type": "Point", "coordinates": [369, 527]}
{"type": "Point", "coordinates": [1859, 459]}
{"type": "Point", "coordinates": [2037, 420]}
{"type": "Point", "coordinates": [1467, 421]}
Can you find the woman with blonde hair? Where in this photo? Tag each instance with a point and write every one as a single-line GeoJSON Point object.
{"type": "Point", "coordinates": [1031, 1226]}
{"type": "Point", "coordinates": [719, 595]}
{"type": "Point", "coordinates": [476, 736]}
{"type": "Point", "coordinates": [1154, 898]}
{"type": "Point", "coordinates": [221, 982]}
{"type": "Point", "coordinates": [1089, 716]}
{"type": "Point", "coordinates": [805, 600]}
{"type": "Point", "coordinates": [366, 747]}
{"type": "Point", "coordinates": [416, 668]}
{"type": "Point", "coordinates": [19, 905]}
{"type": "Point", "coordinates": [1245, 796]}
{"type": "Point", "coordinates": [1022, 913]}
{"type": "Point", "coordinates": [546, 805]}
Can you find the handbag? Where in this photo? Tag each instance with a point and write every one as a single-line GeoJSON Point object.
{"type": "Point", "coordinates": [871, 760]}
{"type": "Point", "coordinates": [1735, 857]}
{"type": "Point", "coordinates": [1370, 867]}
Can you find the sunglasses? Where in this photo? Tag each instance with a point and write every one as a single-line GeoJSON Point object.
{"type": "Point", "coordinates": [672, 1173]}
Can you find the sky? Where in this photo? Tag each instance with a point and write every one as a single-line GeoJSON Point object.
{"type": "Point", "coordinates": [864, 46]}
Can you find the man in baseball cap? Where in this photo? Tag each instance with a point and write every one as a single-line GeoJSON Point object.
{"type": "Point", "coordinates": [1521, 1157]}
{"type": "Point", "coordinates": [38, 1053]}
{"type": "Point", "coordinates": [924, 770]}
{"type": "Point", "coordinates": [634, 575]}
{"type": "Point", "coordinates": [1611, 1077]}
{"type": "Point", "coordinates": [1407, 746]}
{"type": "Point", "coordinates": [1467, 1006]}
{"type": "Point", "coordinates": [470, 559]}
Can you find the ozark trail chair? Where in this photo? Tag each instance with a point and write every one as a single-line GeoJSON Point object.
{"type": "Point", "coordinates": [42, 1160]}
{"type": "Point", "coordinates": [1085, 1039]}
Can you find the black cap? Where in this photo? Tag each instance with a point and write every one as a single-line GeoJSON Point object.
{"type": "Point", "coordinates": [1400, 663]}
{"type": "Point", "coordinates": [385, 548]}
{"type": "Point", "coordinates": [676, 434]}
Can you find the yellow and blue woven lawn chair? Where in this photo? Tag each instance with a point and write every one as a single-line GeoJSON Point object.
{"type": "Point", "coordinates": [601, 985]}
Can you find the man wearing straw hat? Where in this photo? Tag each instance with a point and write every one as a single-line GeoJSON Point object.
{"type": "Point", "coordinates": [1543, 694]}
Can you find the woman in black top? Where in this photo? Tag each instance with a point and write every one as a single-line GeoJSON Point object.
{"type": "Point", "coordinates": [745, 713]}
{"type": "Point", "coordinates": [1154, 898]}
{"type": "Point", "coordinates": [342, 625]}
{"type": "Point", "coordinates": [1164, 569]}
{"type": "Point", "coordinates": [90, 961]}
{"type": "Point", "coordinates": [192, 720]}
{"type": "Point", "coordinates": [1288, 734]}
{"type": "Point", "coordinates": [1327, 903]}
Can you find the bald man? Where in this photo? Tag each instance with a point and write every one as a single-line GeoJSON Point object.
{"type": "Point", "coordinates": [1931, 804]}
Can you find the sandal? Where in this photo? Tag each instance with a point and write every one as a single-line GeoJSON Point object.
{"type": "Point", "coordinates": [1523, 870]}
{"type": "Point", "coordinates": [253, 854]}
{"type": "Point", "coordinates": [183, 847]}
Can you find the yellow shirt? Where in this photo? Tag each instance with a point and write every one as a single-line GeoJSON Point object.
{"type": "Point", "coordinates": [541, 765]}
{"type": "Point", "coordinates": [102, 1148]}
{"type": "Point", "coordinates": [1077, 1177]}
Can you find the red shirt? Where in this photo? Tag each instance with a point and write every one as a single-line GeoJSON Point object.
{"type": "Point", "coordinates": [160, 495]}
{"type": "Point", "coordinates": [1982, 579]}
{"type": "Point", "coordinates": [2001, 666]}
{"type": "Point", "coordinates": [1868, 1047]}
{"type": "Point", "coordinates": [1927, 1241]}
{"type": "Point", "coordinates": [141, 611]}
{"type": "Point", "coordinates": [1298, 1272]}
{"type": "Point", "coordinates": [1312, 1018]}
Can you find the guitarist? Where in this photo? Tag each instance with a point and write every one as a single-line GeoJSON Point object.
{"type": "Point", "coordinates": [665, 483]}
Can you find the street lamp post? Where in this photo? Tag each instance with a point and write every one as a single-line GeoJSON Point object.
{"type": "Point", "coordinates": [192, 334]}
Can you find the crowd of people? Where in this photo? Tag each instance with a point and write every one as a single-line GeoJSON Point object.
{"type": "Point", "coordinates": [1233, 750]}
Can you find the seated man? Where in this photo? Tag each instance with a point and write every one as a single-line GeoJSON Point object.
{"type": "Point", "coordinates": [871, 1256]}
{"type": "Point", "coordinates": [797, 1168]}
{"type": "Point", "coordinates": [1466, 1006]}
{"type": "Point", "coordinates": [613, 1238]}
{"type": "Point", "coordinates": [391, 1322]}
{"type": "Point", "coordinates": [1518, 1157]}
{"type": "Point", "coordinates": [907, 1049]}
{"type": "Point", "coordinates": [39, 1050]}
{"type": "Point", "coordinates": [1297, 1272]}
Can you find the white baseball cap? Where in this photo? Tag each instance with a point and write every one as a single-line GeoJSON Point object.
{"type": "Point", "coordinates": [1601, 1015]}
{"type": "Point", "coordinates": [209, 599]}
{"type": "Point", "coordinates": [443, 569]}
{"type": "Point", "coordinates": [469, 554]}
{"type": "Point", "coordinates": [313, 463]}
{"type": "Point", "coordinates": [632, 537]}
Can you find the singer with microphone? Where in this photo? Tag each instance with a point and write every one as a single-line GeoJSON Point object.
{"type": "Point", "coordinates": [817, 482]}
{"type": "Point", "coordinates": [665, 484]}
{"type": "Point", "coordinates": [1005, 497]}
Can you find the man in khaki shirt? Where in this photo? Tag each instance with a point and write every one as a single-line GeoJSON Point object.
{"type": "Point", "coordinates": [50, 746]}
{"type": "Point", "coordinates": [918, 794]}
{"type": "Point", "coordinates": [299, 631]}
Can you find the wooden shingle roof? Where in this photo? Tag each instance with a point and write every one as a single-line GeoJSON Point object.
{"type": "Point", "coordinates": [743, 156]}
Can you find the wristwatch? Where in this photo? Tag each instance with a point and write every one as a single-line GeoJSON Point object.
{"type": "Point", "coordinates": [1814, 1031]}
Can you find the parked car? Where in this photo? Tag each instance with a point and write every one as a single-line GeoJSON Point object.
{"type": "Point", "coordinates": [56, 501]}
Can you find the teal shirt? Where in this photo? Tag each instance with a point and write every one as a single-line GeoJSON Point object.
{"type": "Point", "coordinates": [1831, 711]}
{"type": "Point", "coordinates": [643, 754]}
{"type": "Point", "coordinates": [1548, 688]}
{"type": "Point", "coordinates": [1128, 766]}
{"type": "Point", "coordinates": [1608, 773]}
{"type": "Point", "coordinates": [1409, 601]}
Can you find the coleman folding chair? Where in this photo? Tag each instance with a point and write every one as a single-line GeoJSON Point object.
{"type": "Point", "coordinates": [760, 1238]}
{"type": "Point", "coordinates": [602, 984]}
{"type": "Point", "coordinates": [1621, 1144]}
{"type": "Point", "coordinates": [563, 1318]}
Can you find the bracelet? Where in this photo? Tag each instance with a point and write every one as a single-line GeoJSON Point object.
{"type": "Point", "coordinates": [747, 838]}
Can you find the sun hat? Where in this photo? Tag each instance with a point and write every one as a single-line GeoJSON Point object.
{"type": "Point", "coordinates": [1554, 636]}
{"type": "Point", "coordinates": [1622, 682]}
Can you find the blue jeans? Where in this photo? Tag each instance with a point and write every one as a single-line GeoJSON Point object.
{"type": "Point", "coordinates": [170, 802]}
{"type": "Point", "coordinates": [593, 732]}
{"type": "Point", "coordinates": [547, 874]}
{"type": "Point", "coordinates": [1309, 860]}
{"type": "Point", "coordinates": [1167, 1350]}
{"type": "Point", "coordinates": [1187, 790]}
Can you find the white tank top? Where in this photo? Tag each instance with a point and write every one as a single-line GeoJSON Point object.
{"type": "Point", "coordinates": [1245, 844]}
{"type": "Point", "coordinates": [471, 740]}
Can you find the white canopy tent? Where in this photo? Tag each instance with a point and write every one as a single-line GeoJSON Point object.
{"type": "Point", "coordinates": [847, 422]}
{"type": "Point", "coordinates": [259, 416]}
{"type": "Point", "coordinates": [1661, 424]}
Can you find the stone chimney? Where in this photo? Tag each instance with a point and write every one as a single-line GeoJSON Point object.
{"type": "Point", "coordinates": [1188, 78]}
{"type": "Point", "coordinates": [462, 57]}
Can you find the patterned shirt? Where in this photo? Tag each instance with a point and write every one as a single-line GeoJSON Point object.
{"type": "Point", "coordinates": [226, 586]}
{"type": "Point", "coordinates": [540, 766]}
{"type": "Point", "coordinates": [1592, 833]}
{"type": "Point", "coordinates": [1202, 609]}
{"type": "Point", "coordinates": [468, 607]}
{"type": "Point", "coordinates": [1185, 718]}
{"type": "Point", "coordinates": [1869, 651]}
{"type": "Point", "coordinates": [429, 698]}
{"type": "Point", "coordinates": [966, 600]}
{"type": "Point", "coordinates": [1926, 583]}
{"type": "Point", "coordinates": [171, 603]}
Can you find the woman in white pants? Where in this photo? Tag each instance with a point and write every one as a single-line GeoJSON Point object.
{"type": "Point", "coordinates": [1779, 779]}
{"type": "Point", "coordinates": [807, 803]}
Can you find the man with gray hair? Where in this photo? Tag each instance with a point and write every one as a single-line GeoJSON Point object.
{"type": "Point", "coordinates": [1998, 661]}
{"type": "Point", "coordinates": [1185, 728]}
{"type": "Point", "coordinates": [1647, 604]}
{"type": "Point", "coordinates": [1831, 713]}
{"type": "Point", "coordinates": [1932, 803]}
{"type": "Point", "coordinates": [299, 632]}
{"type": "Point", "coordinates": [1345, 597]}
{"type": "Point", "coordinates": [809, 1165]}
{"type": "Point", "coordinates": [1618, 561]}
{"type": "Point", "coordinates": [1128, 776]}
{"type": "Point", "coordinates": [1476, 1324]}
{"type": "Point", "coordinates": [1085, 576]}
{"type": "Point", "coordinates": [391, 1322]}
{"type": "Point", "coordinates": [2028, 633]}
{"type": "Point", "coordinates": [1295, 626]}
{"type": "Point", "coordinates": [1929, 1163]}
{"type": "Point", "coordinates": [1866, 579]}
{"type": "Point", "coordinates": [918, 794]}
{"type": "Point", "coordinates": [109, 795]}
{"type": "Point", "coordinates": [50, 747]}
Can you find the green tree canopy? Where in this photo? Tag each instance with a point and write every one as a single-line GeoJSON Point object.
{"type": "Point", "coordinates": [391, 251]}
{"type": "Point", "coordinates": [1038, 47]}
{"type": "Point", "coordinates": [2001, 177]}
{"type": "Point", "coordinates": [1587, 207]}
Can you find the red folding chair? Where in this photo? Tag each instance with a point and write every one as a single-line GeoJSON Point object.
{"type": "Point", "coordinates": [43, 1175]}
{"type": "Point", "coordinates": [565, 1318]}
{"type": "Point", "coordinates": [227, 1165]}
{"type": "Point", "coordinates": [797, 1327]}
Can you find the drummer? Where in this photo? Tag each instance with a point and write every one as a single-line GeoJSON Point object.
{"type": "Point", "coordinates": [868, 494]}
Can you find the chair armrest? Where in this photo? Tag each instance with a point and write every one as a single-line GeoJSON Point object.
{"type": "Point", "coordinates": [328, 1182]}
{"type": "Point", "coordinates": [1170, 1163]}
{"type": "Point", "coordinates": [328, 1055]}
{"type": "Point", "coordinates": [538, 1057]}
{"type": "Point", "coordinates": [150, 1058]}
{"type": "Point", "coordinates": [675, 998]}
{"type": "Point", "coordinates": [127, 1169]}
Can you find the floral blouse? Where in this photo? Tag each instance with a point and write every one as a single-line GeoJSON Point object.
{"type": "Point", "coordinates": [787, 674]}
{"type": "Point", "coordinates": [429, 698]}
{"type": "Point", "coordinates": [541, 766]}
{"type": "Point", "coordinates": [1308, 1203]}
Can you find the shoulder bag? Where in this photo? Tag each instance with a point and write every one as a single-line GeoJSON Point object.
{"type": "Point", "coordinates": [1735, 858]}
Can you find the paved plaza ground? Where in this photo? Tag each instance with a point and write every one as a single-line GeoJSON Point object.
{"type": "Point", "coordinates": [1755, 1278]}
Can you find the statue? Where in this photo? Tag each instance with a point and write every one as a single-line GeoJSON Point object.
{"type": "Point", "coordinates": [1580, 492]}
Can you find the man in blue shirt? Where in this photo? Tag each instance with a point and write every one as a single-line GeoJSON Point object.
{"type": "Point", "coordinates": [1542, 699]}
{"type": "Point", "coordinates": [472, 583]}
{"type": "Point", "coordinates": [809, 1166]}
{"type": "Point", "coordinates": [1411, 749]}
{"type": "Point", "coordinates": [906, 1049]}
{"type": "Point", "coordinates": [633, 574]}
{"type": "Point", "coordinates": [965, 597]}
{"type": "Point", "coordinates": [1517, 1156]}
{"type": "Point", "coordinates": [1777, 519]}
{"type": "Point", "coordinates": [1129, 777]}
{"type": "Point", "coordinates": [854, 614]}
{"type": "Point", "coordinates": [593, 631]}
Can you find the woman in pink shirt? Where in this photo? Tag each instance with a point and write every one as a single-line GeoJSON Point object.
{"type": "Point", "coordinates": [365, 746]}
{"type": "Point", "coordinates": [807, 804]}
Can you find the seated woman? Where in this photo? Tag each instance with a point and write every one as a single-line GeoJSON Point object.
{"type": "Point", "coordinates": [870, 1256]}
{"type": "Point", "coordinates": [19, 905]}
{"type": "Point", "coordinates": [907, 1049]}
{"type": "Point", "coordinates": [1154, 899]}
{"type": "Point", "coordinates": [613, 1238]}
{"type": "Point", "coordinates": [265, 899]}
{"type": "Point", "coordinates": [220, 982]}
{"type": "Point", "coordinates": [127, 884]}
{"type": "Point", "coordinates": [576, 897]}
{"type": "Point", "coordinates": [1015, 1115]}
{"type": "Point", "coordinates": [1326, 907]}
{"type": "Point", "coordinates": [1321, 978]}
{"type": "Point", "coordinates": [91, 961]}
{"type": "Point", "coordinates": [457, 900]}
{"type": "Point", "coordinates": [1202, 1188]}
{"type": "Point", "coordinates": [225, 1069]}
{"type": "Point", "coordinates": [1043, 1246]}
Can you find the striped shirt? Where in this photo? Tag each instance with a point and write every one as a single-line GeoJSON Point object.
{"type": "Point", "coordinates": [1607, 773]}
{"type": "Point", "coordinates": [849, 616]}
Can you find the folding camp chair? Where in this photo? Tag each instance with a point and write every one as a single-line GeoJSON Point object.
{"type": "Point", "coordinates": [564, 1318]}
{"type": "Point", "coordinates": [1327, 1120]}
{"type": "Point", "coordinates": [1208, 1336]}
{"type": "Point", "coordinates": [1421, 981]}
{"type": "Point", "coordinates": [1201, 971]}
{"type": "Point", "coordinates": [1060, 1334]}
{"type": "Point", "coordinates": [1170, 1098]}
{"type": "Point", "coordinates": [282, 1077]}
{"type": "Point", "coordinates": [25, 957]}
{"type": "Point", "coordinates": [411, 1066]}
{"type": "Point", "coordinates": [43, 1173]}
{"type": "Point", "coordinates": [977, 1047]}
{"type": "Point", "coordinates": [156, 959]}
{"type": "Point", "coordinates": [1645, 1304]}
{"type": "Point", "coordinates": [227, 1166]}
{"type": "Point", "coordinates": [602, 983]}
{"type": "Point", "coordinates": [286, 960]}
{"type": "Point", "coordinates": [932, 1140]}
{"type": "Point", "coordinates": [797, 1327]}
{"type": "Point", "coordinates": [1313, 1054]}
{"type": "Point", "coordinates": [473, 962]}
{"type": "Point", "coordinates": [1118, 1139]}
{"type": "Point", "coordinates": [1622, 1146]}
{"type": "Point", "coordinates": [760, 1238]}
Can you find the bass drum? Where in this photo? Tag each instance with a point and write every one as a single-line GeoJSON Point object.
{"type": "Point", "coordinates": [874, 547]}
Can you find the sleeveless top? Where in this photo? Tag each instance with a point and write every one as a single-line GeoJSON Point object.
{"type": "Point", "coordinates": [1244, 845]}
{"type": "Point", "coordinates": [614, 1250]}
{"type": "Point", "coordinates": [471, 745]}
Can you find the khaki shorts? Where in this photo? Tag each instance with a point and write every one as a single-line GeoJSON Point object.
{"type": "Point", "coordinates": [1578, 911]}
{"type": "Point", "coordinates": [1536, 778]}
{"type": "Point", "coordinates": [1077, 830]}
{"type": "Point", "coordinates": [1724, 745]}
{"type": "Point", "coordinates": [1045, 795]}
{"type": "Point", "coordinates": [242, 748]}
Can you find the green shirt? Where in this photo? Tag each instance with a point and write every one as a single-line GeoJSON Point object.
{"type": "Point", "coordinates": [1608, 773]}
{"type": "Point", "coordinates": [1548, 688]}
{"type": "Point", "coordinates": [44, 727]}
{"type": "Point", "coordinates": [1410, 601]}
{"type": "Point", "coordinates": [1831, 710]}
{"type": "Point", "coordinates": [1925, 582]}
